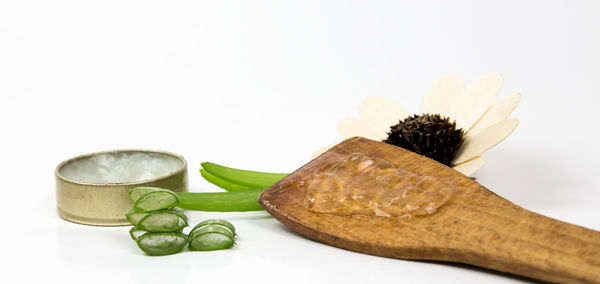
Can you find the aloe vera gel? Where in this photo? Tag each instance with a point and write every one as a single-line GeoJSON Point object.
{"type": "Point", "coordinates": [121, 167]}
{"type": "Point", "coordinates": [159, 224]}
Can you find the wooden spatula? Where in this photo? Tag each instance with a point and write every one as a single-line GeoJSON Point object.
{"type": "Point", "coordinates": [439, 214]}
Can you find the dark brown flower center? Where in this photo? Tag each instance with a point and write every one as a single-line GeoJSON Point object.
{"type": "Point", "coordinates": [430, 135]}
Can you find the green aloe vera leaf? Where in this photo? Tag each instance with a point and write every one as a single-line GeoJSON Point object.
{"type": "Point", "coordinates": [211, 238]}
{"type": "Point", "coordinates": [224, 184]}
{"type": "Point", "coordinates": [215, 222]}
{"type": "Point", "coordinates": [136, 233]}
{"type": "Point", "coordinates": [162, 243]}
{"type": "Point", "coordinates": [136, 193]}
{"type": "Point", "coordinates": [243, 177]}
{"type": "Point", "coordinates": [134, 217]}
{"type": "Point", "coordinates": [163, 221]}
{"type": "Point", "coordinates": [238, 201]}
{"type": "Point", "coordinates": [156, 200]}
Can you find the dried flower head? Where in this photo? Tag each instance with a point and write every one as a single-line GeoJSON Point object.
{"type": "Point", "coordinates": [430, 135]}
{"type": "Point", "coordinates": [485, 123]}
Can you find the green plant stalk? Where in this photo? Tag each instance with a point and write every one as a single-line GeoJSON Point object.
{"type": "Point", "coordinates": [250, 179]}
{"type": "Point", "coordinates": [234, 201]}
{"type": "Point", "coordinates": [224, 184]}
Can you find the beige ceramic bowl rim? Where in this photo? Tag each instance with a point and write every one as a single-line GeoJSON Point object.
{"type": "Point", "coordinates": [171, 174]}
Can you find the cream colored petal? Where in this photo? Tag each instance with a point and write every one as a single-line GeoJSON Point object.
{"type": "Point", "coordinates": [498, 112]}
{"type": "Point", "coordinates": [475, 100]}
{"type": "Point", "coordinates": [485, 140]}
{"type": "Point", "coordinates": [442, 95]}
{"type": "Point", "coordinates": [469, 167]}
{"type": "Point", "coordinates": [320, 151]}
{"type": "Point", "coordinates": [379, 114]}
{"type": "Point", "coordinates": [350, 127]}
{"type": "Point", "coordinates": [380, 122]}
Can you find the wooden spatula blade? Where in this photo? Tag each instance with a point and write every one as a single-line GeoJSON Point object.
{"type": "Point", "coordinates": [473, 225]}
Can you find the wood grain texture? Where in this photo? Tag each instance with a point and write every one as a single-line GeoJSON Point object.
{"type": "Point", "coordinates": [476, 227]}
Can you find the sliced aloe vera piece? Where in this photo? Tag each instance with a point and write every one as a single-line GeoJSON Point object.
{"type": "Point", "coordinates": [156, 200]}
{"type": "Point", "coordinates": [211, 238]}
{"type": "Point", "coordinates": [136, 193]}
{"type": "Point", "coordinates": [134, 217]}
{"type": "Point", "coordinates": [162, 243]}
{"type": "Point", "coordinates": [163, 221]}
{"type": "Point", "coordinates": [215, 222]}
{"type": "Point", "coordinates": [136, 233]}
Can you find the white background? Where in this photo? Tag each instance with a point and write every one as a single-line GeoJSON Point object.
{"type": "Point", "coordinates": [261, 85]}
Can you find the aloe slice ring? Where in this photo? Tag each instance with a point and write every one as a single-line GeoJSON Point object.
{"type": "Point", "coordinates": [162, 243]}
{"type": "Point", "coordinates": [178, 209]}
{"type": "Point", "coordinates": [162, 221]}
{"type": "Point", "coordinates": [134, 217]}
{"type": "Point", "coordinates": [214, 222]}
{"type": "Point", "coordinates": [136, 233]}
{"type": "Point", "coordinates": [156, 200]}
{"type": "Point", "coordinates": [136, 193]}
{"type": "Point", "coordinates": [211, 238]}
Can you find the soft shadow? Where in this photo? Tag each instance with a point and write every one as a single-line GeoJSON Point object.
{"type": "Point", "coordinates": [285, 229]}
{"type": "Point", "coordinates": [482, 270]}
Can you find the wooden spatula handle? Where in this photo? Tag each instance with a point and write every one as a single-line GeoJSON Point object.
{"type": "Point", "coordinates": [525, 243]}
